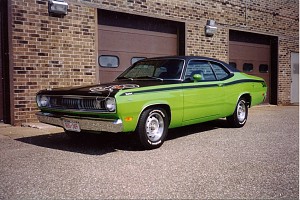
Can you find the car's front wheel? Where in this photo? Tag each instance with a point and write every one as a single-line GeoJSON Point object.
{"type": "Point", "coordinates": [152, 128]}
{"type": "Point", "coordinates": [240, 115]}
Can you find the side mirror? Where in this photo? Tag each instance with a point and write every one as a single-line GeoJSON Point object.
{"type": "Point", "coordinates": [197, 77]}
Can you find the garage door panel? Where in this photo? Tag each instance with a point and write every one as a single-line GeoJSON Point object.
{"type": "Point", "coordinates": [255, 55]}
{"type": "Point", "coordinates": [107, 74]}
{"type": "Point", "coordinates": [241, 50]}
{"type": "Point", "coordinates": [125, 58]}
{"type": "Point", "coordinates": [131, 40]}
{"type": "Point", "coordinates": [126, 43]}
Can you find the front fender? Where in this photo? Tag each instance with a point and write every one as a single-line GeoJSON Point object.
{"type": "Point", "coordinates": [129, 108]}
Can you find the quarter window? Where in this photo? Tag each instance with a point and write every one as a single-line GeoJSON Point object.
{"type": "Point", "coordinates": [109, 61]}
{"type": "Point", "coordinates": [248, 67]}
{"type": "Point", "coordinates": [220, 72]}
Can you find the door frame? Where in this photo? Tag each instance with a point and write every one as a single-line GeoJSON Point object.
{"type": "Point", "coordinates": [6, 60]}
{"type": "Point", "coordinates": [294, 56]}
{"type": "Point", "coordinates": [258, 38]}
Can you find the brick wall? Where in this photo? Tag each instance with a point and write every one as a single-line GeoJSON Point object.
{"type": "Point", "coordinates": [215, 47]}
{"type": "Point", "coordinates": [53, 52]}
{"type": "Point", "coordinates": [286, 46]}
{"type": "Point", "coordinates": [49, 51]}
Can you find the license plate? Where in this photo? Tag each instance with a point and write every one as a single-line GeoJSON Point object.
{"type": "Point", "coordinates": [71, 125]}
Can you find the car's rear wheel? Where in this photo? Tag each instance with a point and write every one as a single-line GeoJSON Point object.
{"type": "Point", "coordinates": [152, 128]}
{"type": "Point", "coordinates": [240, 115]}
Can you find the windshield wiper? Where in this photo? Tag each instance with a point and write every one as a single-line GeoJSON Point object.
{"type": "Point", "coordinates": [151, 77]}
{"type": "Point", "coordinates": [123, 77]}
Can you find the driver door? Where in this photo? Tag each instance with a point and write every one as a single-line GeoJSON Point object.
{"type": "Point", "coordinates": [204, 97]}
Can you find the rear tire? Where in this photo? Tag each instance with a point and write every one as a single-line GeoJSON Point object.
{"type": "Point", "coordinates": [240, 115]}
{"type": "Point", "coordinates": [152, 128]}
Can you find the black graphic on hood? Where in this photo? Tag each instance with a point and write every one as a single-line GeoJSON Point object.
{"type": "Point", "coordinates": [113, 87]}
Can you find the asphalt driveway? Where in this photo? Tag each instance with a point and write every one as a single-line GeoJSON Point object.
{"type": "Point", "coordinates": [210, 160]}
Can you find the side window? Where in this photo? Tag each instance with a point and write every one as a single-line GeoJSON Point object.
{"type": "Point", "coordinates": [109, 61]}
{"type": "Point", "coordinates": [200, 67]}
{"type": "Point", "coordinates": [232, 64]}
{"type": "Point", "coordinates": [263, 68]}
{"type": "Point", "coordinates": [170, 69]}
{"type": "Point", "coordinates": [247, 67]}
{"type": "Point", "coordinates": [220, 71]}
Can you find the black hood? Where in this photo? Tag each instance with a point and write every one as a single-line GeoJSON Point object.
{"type": "Point", "coordinates": [106, 89]}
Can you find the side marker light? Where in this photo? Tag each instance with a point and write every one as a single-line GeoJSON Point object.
{"type": "Point", "coordinates": [128, 119]}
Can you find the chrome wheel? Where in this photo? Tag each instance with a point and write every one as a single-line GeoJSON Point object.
{"type": "Point", "coordinates": [241, 111]}
{"type": "Point", "coordinates": [154, 126]}
{"type": "Point", "coordinates": [239, 117]}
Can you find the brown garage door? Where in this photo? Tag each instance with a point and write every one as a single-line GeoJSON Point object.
{"type": "Point", "coordinates": [252, 59]}
{"type": "Point", "coordinates": [126, 45]}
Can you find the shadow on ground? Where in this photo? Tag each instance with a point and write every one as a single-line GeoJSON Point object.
{"type": "Point", "coordinates": [100, 144]}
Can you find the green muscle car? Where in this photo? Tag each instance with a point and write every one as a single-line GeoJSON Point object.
{"type": "Point", "coordinates": [153, 95]}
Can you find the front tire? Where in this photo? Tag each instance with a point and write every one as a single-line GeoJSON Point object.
{"type": "Point", "coordinates": [152, 128]}
{"type": "Point", "coordinates": [240, 115]}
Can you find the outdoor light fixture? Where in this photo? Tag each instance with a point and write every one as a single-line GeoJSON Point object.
{"type": "Point", "coordinates": [59, 7]}
{"type": "Point", "coordinates": [210, 28]}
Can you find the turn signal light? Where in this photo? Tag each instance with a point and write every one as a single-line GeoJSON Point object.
{"type": "Point", "coordinates": [128, 119]}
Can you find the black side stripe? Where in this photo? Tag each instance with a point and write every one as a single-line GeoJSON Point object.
{"type": "Point", "coordinates": [243, 81]}
{"type": "Point", "coordinates": [193, 86]}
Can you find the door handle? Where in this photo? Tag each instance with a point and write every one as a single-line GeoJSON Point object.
{"type": "Point", "coordinates": [220, 84]}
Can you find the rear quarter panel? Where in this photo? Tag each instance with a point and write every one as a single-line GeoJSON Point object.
{"type": "Point", "coordinates": [239, 85]}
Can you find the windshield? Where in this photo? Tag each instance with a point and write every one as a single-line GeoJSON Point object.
{"type": "Point", "coordinates": [154, 69]}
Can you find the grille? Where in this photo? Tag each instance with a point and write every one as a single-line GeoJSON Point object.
{"type": "Point", "coordinates": [78, 103]}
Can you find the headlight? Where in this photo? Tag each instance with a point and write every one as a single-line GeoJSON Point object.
{"type": "Point", "coordinates": [110, 104]}
{"type": "Point", "coordinates": [43, 101]}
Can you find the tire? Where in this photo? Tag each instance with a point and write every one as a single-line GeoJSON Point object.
{"type": "Point", "coordinates": [240, 115]}
{"type": "Point", "coordinates": [152, 128]}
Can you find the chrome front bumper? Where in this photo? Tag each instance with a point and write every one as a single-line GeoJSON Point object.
{"type": "Point", "coordinates": [86, 124]}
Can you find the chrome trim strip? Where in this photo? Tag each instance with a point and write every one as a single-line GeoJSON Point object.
{"type": "Point", "coordinates": [47, 109]}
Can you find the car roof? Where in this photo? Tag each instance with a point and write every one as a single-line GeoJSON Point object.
{"type": "Point", "coordinates": [188, 58]}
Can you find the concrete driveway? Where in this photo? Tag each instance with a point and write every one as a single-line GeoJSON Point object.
{"type": "Point", "coordinates": [210, 160]}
